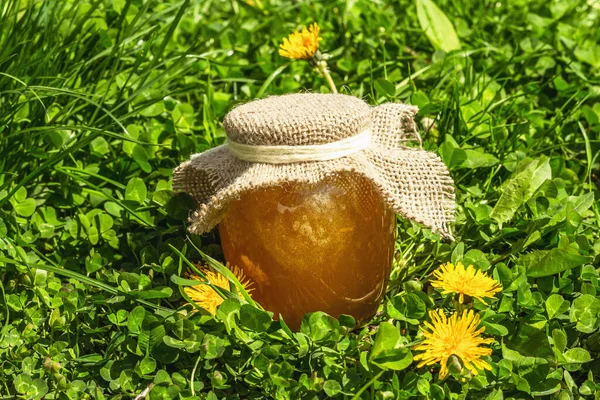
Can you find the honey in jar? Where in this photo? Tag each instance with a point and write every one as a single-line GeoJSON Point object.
{"type": "Point", "coordinates": [324, 246]}
{"type": "Point", "coordinates": [305, 190]}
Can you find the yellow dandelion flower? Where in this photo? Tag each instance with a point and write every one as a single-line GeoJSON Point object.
{"type": "Point", "coordinates": [301, 45]}
{"type": "Point", "coordinates": [255, 3]}
{"type": "Point", "coordinates": [207, 297]}
{"type": "Point", "coordinates": [454, 336]}
{"type": "Point", "coordinates": [469, 281]}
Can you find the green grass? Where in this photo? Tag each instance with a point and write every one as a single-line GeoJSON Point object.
{"type": "Point", "coordinates": [100, 100]}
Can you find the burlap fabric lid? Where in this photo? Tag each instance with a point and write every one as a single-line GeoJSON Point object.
{"type": "Point", "coordinates": [306, 137]}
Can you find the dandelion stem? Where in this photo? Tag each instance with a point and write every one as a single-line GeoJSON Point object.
{"type": "Point", "coordinates": [325, 71]}
{"type": "Point", "coordinates": [367, 385]}
{"type": "Point", "coordinates": [144, 392]}
{"type": "Point", "coordinates": [194, 374]}
{"type": "Point", "coordinates": [330, 81]}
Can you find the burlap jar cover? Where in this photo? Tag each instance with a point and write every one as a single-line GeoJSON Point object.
{"type": "Point", "coordinates": [304, 138]}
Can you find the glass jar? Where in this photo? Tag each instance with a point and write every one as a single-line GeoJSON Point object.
{"type": "Point", "coordinates": [313, 247]}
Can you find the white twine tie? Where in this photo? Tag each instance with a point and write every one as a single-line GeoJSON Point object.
{"type": "Point", "coordinates": [294, 154]}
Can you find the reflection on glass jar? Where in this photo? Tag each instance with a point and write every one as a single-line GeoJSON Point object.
{"type": "Point", "coordinates": [313, 247]}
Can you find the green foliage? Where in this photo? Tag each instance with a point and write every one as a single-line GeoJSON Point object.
{"type": "Point", "coordinates": [100, 100]}
{"type": "Point", "coordinates": [437, 26]}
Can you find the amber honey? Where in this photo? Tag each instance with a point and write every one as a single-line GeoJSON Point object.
{"type": "Point", "coordinates": [313, 247]}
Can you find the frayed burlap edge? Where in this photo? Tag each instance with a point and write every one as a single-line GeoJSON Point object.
{"type": "Point", "coordinates": [416, 207]}
{"type": "Point", "coordinates": [414, 183]}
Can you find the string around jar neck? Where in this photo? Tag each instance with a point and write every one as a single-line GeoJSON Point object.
{"type": "Point", "coordinates": [284, 154]}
